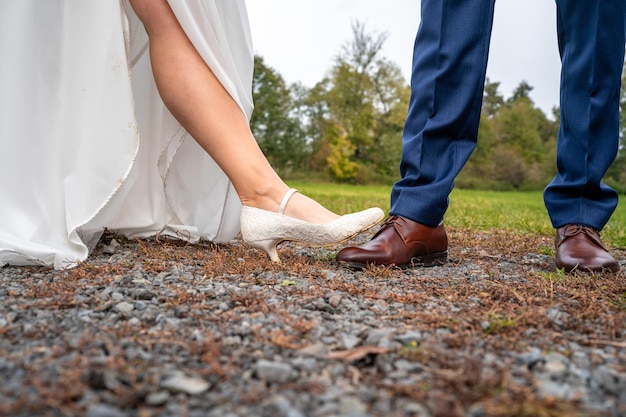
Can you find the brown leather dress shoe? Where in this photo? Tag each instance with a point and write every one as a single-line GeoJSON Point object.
{"type": "Point", "coordinates": [580, 248]}
{"type": "Point", "coordinates": [400, 242]}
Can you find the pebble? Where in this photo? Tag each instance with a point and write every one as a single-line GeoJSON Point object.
{"type": "Point", "coordinates": [410, 338]}
{"type": "Point", "coordinates": [553, 389]}
{"type": "Point", "coordinates": [529, 359]}
{"type": "Point", "coordinates": [104, 410]}
{"type": "Point", "coordinates": [335, 300]}
{"type": "Point", "coordinates": [282, 407]}
{"type": "Point", "coordinates": [349, 341]}
{"type": "Point", "coordinates": [350, 406]}
{"type": "Point", "coordinates": [274, 372]}
{"type": "Point", "coordinates": [611, 379]}
{"type": "Point", "coordinates": [319, 305]}
{"type": "Point", "coordinates": [188, 385]}
{"type": "Point", "coordinates": [134, 321]}
{"type": "Point", "coordinates": [416, 410]}
{"type": "Point", "coordinates": [377, 336]}
{"type": "Point", "coordinates": [556, 366]}
{"type": "Point", "coordinates": [557, 316]}
{"type": "Point", "coordinates": [124, 307]}
{"type": "Point", "coordinates": [112, 248]}
{"type": "Point", "coordinates": [158, 398]}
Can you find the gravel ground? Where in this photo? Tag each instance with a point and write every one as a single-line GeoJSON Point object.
{"type": "Point", "coordinates": [164, 328]}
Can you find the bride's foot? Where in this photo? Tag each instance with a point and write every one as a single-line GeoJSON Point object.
{"type": "Point", "coordinates": [264, 229]}
{"type": "Point", "coordinates": [294, 204]}
{"type": "Point", "coordinates": [304, 208]}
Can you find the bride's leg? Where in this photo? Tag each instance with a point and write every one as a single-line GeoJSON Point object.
{"type": "Point", "coordinates": [200, 103]}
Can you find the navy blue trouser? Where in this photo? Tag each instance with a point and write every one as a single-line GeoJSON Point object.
{"type": "Point", "coordinates": [449, 65]}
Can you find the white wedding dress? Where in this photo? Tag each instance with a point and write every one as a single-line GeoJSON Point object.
{"type": "Point", "coordinates": [85, 140]}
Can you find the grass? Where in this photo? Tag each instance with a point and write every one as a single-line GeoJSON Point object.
{"type": "Point", "coordinates": [521, 212]}
{"type": "Point", "coordinates": [345, 198]}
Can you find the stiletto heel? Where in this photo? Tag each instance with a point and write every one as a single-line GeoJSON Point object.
{"type": "Point", "coordinates": [264, 229]}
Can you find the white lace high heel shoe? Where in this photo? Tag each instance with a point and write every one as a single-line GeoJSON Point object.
{"type": "Point", "coordinates": [264, 229]}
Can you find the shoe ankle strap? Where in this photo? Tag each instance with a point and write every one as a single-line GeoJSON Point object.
{"type": "Point", "coordinates": [286, 198]}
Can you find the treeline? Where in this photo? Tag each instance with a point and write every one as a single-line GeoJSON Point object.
{"type": "Point", "coordinates": [348, 127]}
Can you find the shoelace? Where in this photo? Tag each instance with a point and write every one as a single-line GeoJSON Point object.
{"type": "Point", "coordinates": [575, 229]}
{"type": "Point", "coordinates": [388, 223]}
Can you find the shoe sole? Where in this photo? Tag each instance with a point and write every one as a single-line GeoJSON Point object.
{"type": "Point", "coordinates": [427, 261]}
{"type": "Point", "coordinates": [588, 270]}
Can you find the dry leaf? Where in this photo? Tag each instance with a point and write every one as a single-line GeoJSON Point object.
{"type": "Point", "coordinates": [357, 353]}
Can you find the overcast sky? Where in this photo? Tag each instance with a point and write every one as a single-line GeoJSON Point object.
{"type": "Point", "coordinates": [300, 38]}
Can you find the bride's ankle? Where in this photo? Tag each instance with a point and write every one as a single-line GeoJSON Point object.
{"type": "Point", "coordinates": [265, 199]}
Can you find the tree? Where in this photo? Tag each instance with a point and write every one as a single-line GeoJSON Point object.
{"type": "Point", "coordinates": [522, 91]}
{"type": "Point", "coordinates": [518, 127]}
{"type": "Point", "coordinates": [364, 97]}
{"type": "Point", "coordinates": [516, 144]}
{"type": "Point", "coordinates": [492, 99]}
{"type": "Point", "coordinates": [338, 159]}
{"type": "Point", "coordinates": [276, 121]}
{"type": "Point", "coordinates": [616, 174]}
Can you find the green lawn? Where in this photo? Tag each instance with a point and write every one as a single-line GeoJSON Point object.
{"type": "Point", "coordinates": [479, 210]}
